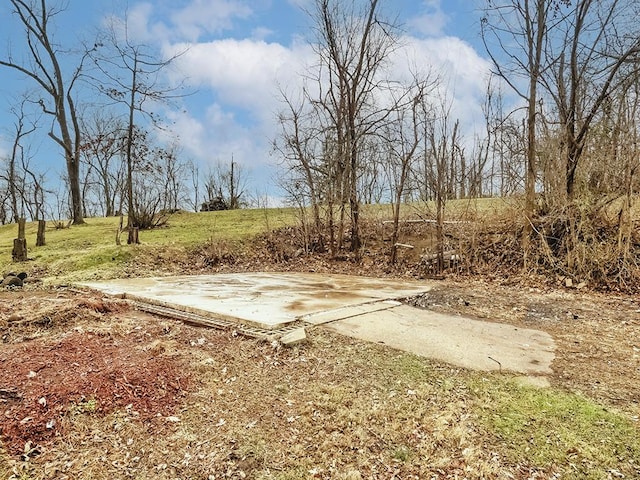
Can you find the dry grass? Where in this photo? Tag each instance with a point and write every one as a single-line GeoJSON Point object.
{"type": "Point", "coordinates": [335, 408]}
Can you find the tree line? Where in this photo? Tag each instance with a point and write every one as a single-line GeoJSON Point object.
{"type": "Point", "coordinates": [113, 163]}
{"type": "Point", "coordinates": [567, 145]}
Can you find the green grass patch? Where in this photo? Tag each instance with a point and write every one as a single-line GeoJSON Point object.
{"type": "Point", "coordinates": [551, 429]}
{"type": "Point", "coordinates": [89, 251]}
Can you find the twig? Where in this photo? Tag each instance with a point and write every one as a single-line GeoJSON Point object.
{"type": "Point", "coordinates": [499, 364]}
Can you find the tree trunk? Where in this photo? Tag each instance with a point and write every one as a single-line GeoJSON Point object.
{"type": "Point", "coordinates": [119, 231]}
{"type": "Point", "coordinates": [440, 231]}
{"type": "Point", "coordinates": [40, 240]}
{"type": "Point", "coordinates": [73, 170]}
{"type": "Point", "coordinates": [133, 236]}
{"type": "Point", "coordinates": [131, 215]}
{"type": "Point", "coordinates": [21, 228]}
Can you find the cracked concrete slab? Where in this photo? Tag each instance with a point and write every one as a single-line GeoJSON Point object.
{"type": "Point", "coordinates": [361, 307]}
{"type": "Point", "coordinates": [264, 300]}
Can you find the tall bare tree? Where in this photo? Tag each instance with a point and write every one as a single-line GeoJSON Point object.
{"type": "Point", "coordinates": [300, 146]}
{"type": "Point", "coordinates": [131, 76]}
{"type": "Point", "coordinates": [443, 150]}
{"type": "Point", "coordinates": [515, 34]}
{"type": "Point", "coordinates": [403, 137]}
{"type": "Point", "coordinates": [12, 176]}
{"type": "Point", "coordinates": [43, 65]}
{"type": "Point", "coordinates": [598, 49]}
{"type": "Point", "coordinates": [353, 42]}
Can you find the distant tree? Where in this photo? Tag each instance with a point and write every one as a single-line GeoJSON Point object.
{"type": "Point", "coordinates": [225, 187]}
{"type": "Point", "coordinates": [101, 151]}
{"type": "Point", "coordinates": [13, 175]}
{"type": "Point", "coordinates": [403, 138]}
{"type": "Point", "coordinates": [172, 171]}
{"type": "Point", "coordinates": [194, 176]}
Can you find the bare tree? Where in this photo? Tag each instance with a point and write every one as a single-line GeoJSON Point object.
{"type": "Point", "coordinates": [353, 43]}
{"type": "Point", "coordinates": [442, 149]}
{"type": "Point", "coordinates": [520, 29]}
{"type": "Point", "coordinates": [300, 146]}
{"type": "Point", "coordinates": [196, 183]}
{"type": "Point", "coordinates": [13, 177]}
{"type": "Point", "coordinates": [33, 191]}
{"type": "Point", "coordinates": [403, 137]}
{"type": "Point", "coordinates": [598, 49]}
{"type": "Point", "coordinates": [44, 66]}
{"type": "Point", "coordinates": [101, 151]}
{"type": "Point", "coordinates": [172, 172]}
{"type": "Point", "coordinates": [328, 134]}
{"type": "Point", "coordinates": [225, 186]}
{"type": "Point", "coordinates": [131, 76]}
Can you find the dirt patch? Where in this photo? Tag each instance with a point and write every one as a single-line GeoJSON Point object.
{"type": "Point", "coordinates": [49, 373]}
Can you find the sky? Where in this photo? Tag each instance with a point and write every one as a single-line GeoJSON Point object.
{"type": "Point", "coordinates": [239, 54]}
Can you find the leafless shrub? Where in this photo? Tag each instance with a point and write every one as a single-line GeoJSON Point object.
{"type": "Point", "coordinates": [214, 253]}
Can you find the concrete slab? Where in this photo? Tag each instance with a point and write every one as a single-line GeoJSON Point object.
{"type": "Point", "coordinates": [265, 300]}
{"type": "Point", "coordinates": [360, 307]}
{"type": "Point", "coordinates": [341, 313]}
{"type": "Point", "coordinates": [460, 341]}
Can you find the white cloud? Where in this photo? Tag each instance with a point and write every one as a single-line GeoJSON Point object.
{"type": "Point", "coordinates": [243, 73]}
{"type": "Point", "coordinates": [4, 150]}
{"type": "Point", "coordinates": [261, 33]}
{"type": "Point", "coordinates": [190, 131]}
{"type": "Point", "coordinates": [208, 16]}
{"type": "Point", "coordinates": [135, 24]}
{"type": "Point", "coordinates": [431, 23]}
{"type": "Point", "coordinates": [463, 74]}
{"type": "Point", "coordinates": [148, 22]}
{"type": "Point", "coordinates": [244, 77]}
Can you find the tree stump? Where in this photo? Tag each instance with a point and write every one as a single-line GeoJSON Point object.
{"type": "Point", "coordinates": [19, 252]}
{"type": "Point", "coordinates": [40, 241]}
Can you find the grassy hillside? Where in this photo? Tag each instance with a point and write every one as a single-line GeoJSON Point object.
{"type": "Point", "coordinates": [90, 250]}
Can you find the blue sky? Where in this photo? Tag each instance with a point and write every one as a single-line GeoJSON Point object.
{"type": "Point", "coordinates": [239, 51]}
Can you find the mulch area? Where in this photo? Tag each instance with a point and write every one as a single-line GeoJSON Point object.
{"type": "Point", "coordinates": [51, 370]}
